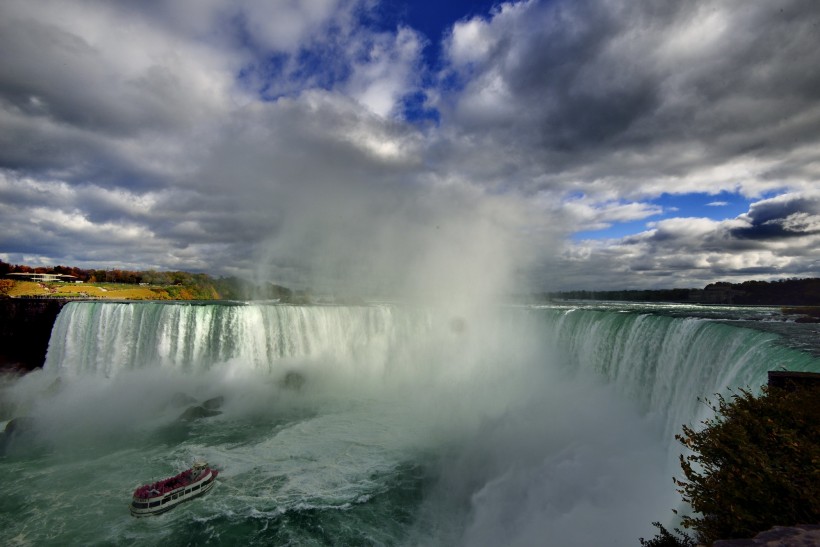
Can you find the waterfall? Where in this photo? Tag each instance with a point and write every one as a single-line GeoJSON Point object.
{"type": "Point", "coordinates": [664, 363]}
{"type": "Point", "coordinates": [416, 425]}
{"type": "Point", "coordinates": [661, 363]}
{"type": "Point", "coordinates": [106, 338]}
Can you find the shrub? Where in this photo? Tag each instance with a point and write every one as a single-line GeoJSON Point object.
{"type": "Point", "coordinates": [666, 539]}
{"type": "Point", "coordinates": [755, 465]}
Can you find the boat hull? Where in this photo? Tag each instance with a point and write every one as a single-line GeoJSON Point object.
{"type": "Point", "coordinates": [143, 507]}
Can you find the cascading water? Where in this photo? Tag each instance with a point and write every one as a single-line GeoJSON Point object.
{"type": "Point", "coordinates": [105, 339]}
{"type": "Point", "coordinates": [369, 424]}
{"type": "Point", "coordinates": [663, 363]}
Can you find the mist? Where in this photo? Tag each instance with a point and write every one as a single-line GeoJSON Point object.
{"type": "Point", "coordinates": [343, 202]}
{"type": "Point", "coordinates": [571, 466]}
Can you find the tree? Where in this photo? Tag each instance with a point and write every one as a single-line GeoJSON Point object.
{"type": "Point", "coordinates": [664, 538]}
{"type": "Point", "coordinates": [755, 465]}
{"type": "Point", "coordinates": [5, 286]}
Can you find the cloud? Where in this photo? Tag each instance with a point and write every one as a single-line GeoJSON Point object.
{"type": "Point", "coordinates": [786, 216]}
{"type": "Point", "coordinates": [775, 239]}
{"type": "Point", "coordinates": [271, 137]}
{"type": "Point", "coordinates": [388, 70]}
{"type": "Point", "coordinates": [149, 150]}
{"type": "Point", "coordinates": [630, 97]}
{"type": "Point", "coordinates": [586, 214]}
{"type": "Point", "coordinates": [86, 97]}
{"type": "Point", "coordinates": [284, 26]}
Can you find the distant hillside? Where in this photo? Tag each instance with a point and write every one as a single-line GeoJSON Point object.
{"type": "Point", "coordinates": [786, 292]}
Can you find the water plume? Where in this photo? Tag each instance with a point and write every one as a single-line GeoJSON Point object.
{"type": "Point", "coordinates": [566, 464]}
{"type": "Point", "coordinates": [427, 242]}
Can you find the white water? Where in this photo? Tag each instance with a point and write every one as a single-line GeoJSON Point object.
{"type": "Point", "coordinates": [518, 427]}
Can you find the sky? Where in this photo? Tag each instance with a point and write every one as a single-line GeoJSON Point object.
{"type": "Point", "coordinates": [392, 145]}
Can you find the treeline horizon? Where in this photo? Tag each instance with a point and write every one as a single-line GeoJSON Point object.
{"type": "Point", "coordinates": [784, 292]}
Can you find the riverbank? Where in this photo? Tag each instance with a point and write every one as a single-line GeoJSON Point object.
{"type": "Point", "coordinates": [29, 310]}
{"type": "Point", "coordinates": [106, 291]}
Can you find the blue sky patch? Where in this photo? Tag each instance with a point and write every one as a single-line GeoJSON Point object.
{"type": "Point", "coordinates": [433, 19]}
{"type": "Point", "coordinates": [722, 206]}
{"type": "Point", "coordinates": [416, 111]}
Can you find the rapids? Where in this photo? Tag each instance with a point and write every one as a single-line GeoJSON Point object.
{"type": "Point", "coordinates": [370, 425]}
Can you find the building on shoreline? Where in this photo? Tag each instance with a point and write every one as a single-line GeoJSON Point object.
{"type": "Point", "coordinates": [44, 277]}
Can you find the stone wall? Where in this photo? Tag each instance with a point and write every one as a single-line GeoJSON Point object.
{"type": "Point", "coordinates": [780, 536]}
{"type": "Point", "coordinates": [787, 379]}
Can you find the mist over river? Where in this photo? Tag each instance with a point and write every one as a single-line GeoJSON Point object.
{"type": "Point", "coordinates": [379, 424]}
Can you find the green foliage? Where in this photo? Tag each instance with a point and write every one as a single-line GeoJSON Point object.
{"type": "Point", "coordinates": [755, 465]}
{"type": "Point", "coordinates": [661, 295]}
{"type": "Point", "coordinates": [234, 288]}
{"type": "Point", "coordinates": [666, 539]}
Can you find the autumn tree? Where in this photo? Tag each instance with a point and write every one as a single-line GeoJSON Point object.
{"type": "Point", "coordinates": [755, 465]}
{"type": "Point", "coordinates": [5, 287]}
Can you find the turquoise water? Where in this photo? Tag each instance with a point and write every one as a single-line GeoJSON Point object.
{"type": "Point", "coordinates": [372, 425]}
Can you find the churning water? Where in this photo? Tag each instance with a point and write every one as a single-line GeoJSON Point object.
{"type": "Point", "coordinates": [372, 425]}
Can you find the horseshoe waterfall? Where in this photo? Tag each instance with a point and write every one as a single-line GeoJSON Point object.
{"type": "Point", "coordinates": [381, 424]}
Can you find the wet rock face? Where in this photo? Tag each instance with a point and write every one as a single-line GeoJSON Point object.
{"type": "Point", "coordinates": [293, 381]}
{"type": "Point", "coordinates": [198, 412]}
{"type": "Point", "coordinates": [19, 425]}
{"type": "Point", "coordinates": [214, 403]}
{"type": "Point", "coordinates": [791, 380]}
{"type": "Point", "coordinates": [793, 536]}
{"type": "Point", "coordinates": [207, 409]}
{"type": "Point", "coordinates": [25, 329]}
{"type": "Point", "coordinates": [17, 429]}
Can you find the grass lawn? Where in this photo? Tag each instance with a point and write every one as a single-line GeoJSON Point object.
{"type": "Point", "coordinates": [111, 291]}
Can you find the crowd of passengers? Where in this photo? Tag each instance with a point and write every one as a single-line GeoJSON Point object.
{"type": "Point", "coordinates": [163, 486]}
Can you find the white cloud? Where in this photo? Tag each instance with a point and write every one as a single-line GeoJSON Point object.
{"type": "Point", "coordinates": [802, 222]}
{"type": "Point", "coordinates": [470, 41]}
{"type": "Point", "coordinates": [284, 25]}
{"type": "Point", "coordinates": [389, 70]}
{"type": "Point", "coordinates": [771, 241]}
{"type": "Point", "coordinates": [697, 35]}
{"type": "Point", "coordinates": [585, 214]}
{"type": "Point", "coordinates": [675, 228]}
{"type": "Point", "coordinates": [473, 40]}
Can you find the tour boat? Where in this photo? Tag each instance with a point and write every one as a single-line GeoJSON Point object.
{"type": "Point", "coordinates": [156, 498]}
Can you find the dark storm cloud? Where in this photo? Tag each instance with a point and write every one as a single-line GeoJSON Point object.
{"type": "Point", "coordinates": [781, 218]}
{"type": "Point", "coordinates": [57, 77]}
{"type": "Point", "coordinates": [634, 90]}
{"type": "Point", "coordinates": [561, 67]}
